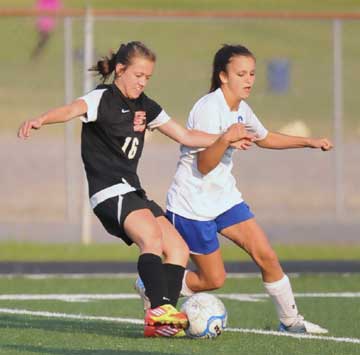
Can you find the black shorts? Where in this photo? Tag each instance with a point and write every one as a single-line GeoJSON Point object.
{"type": "Point", "coordinates": [113, 211]}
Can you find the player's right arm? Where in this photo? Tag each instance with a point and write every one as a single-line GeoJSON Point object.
{"type": "Point", "coordinates": [57, 115]}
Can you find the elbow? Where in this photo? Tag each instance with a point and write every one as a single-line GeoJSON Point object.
{"type": "Point", "coordinates": [261, 143]}
{"type": "Point", "coordinates": [203, 168]}
{"type": "Point", "coordinates": [203, 171]}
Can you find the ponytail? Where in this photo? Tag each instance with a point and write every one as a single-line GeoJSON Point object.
{"type": "Point", "coordinates": [125, 54]}
{"type": "Point", "coordinates": [105, 66]}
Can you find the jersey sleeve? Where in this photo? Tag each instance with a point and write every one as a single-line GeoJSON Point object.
{"type": "Point", "coordinates": [254, 125]}
{"type": "Point", "coordinates": [205, 116]}
{"type": "Point", "coordinates": [161, 119]}
{"type": "Point", "coordinates": [92, 100]}
{"type": "Point", "coordinates": [155, 115]}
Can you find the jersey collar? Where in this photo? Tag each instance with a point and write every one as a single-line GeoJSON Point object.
{"type": "Point", "coordinates": [132, 104]}
{"type": "Point", "coordinates": [220, 95]}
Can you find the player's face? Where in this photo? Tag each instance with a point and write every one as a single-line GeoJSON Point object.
{"type": "Point", "coordinates": [133, 79]}
{"type": "Point", "coordinates": [239, 77]}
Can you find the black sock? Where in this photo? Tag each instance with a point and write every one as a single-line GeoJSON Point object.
{"type": "Point", "coordinates": [151, 272]}
{"type": "Point", "coordinates": [174, 275]}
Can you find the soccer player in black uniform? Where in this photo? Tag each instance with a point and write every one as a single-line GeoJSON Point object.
{"type": "Point", "coordinates": [115, 117]}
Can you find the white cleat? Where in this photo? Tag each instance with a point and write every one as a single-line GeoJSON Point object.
{"type": "Point", "coordinates": [140, 288]}
{"type": "Point", "coordinates": [302, 326]}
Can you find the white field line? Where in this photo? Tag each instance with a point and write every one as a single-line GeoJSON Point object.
{"type": "Point", "coordinates": [298, 336]}
{"type": "Point", "coordinates": [140, 321]}
{"type": "Point", "coordinates": [69, 316]}
{"type": "Point", "coordinates": [69, 297]}
{"type": "Point", "coordinates": [244, 297]}
{"type": "Point", "coordinates": [117, 276]}
{"type": "Point", "coordinates": [71, 276]}
{"type": "Point", "coordinates": [258, 296]}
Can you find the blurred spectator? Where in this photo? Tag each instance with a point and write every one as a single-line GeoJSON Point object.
{"type": "Point", "coordinates": [45, 25]}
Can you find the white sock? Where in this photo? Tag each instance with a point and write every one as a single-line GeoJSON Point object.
{"type": "Point", "coordinates": [185, 290]}
{"type": "Point", "coordinates": [281, 294]}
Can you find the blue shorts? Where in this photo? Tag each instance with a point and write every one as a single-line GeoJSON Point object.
{"type": "Point", "coordinates": [201, 236]}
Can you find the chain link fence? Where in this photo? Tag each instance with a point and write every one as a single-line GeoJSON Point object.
{"type": "Point", "coordinates": [299, 195]}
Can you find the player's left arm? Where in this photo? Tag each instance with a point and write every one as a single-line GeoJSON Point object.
{"type": "Point", "coordinates": [274, 140]}
{"type": "Point", "coordinates": [188, 137]}
{"type": "Point", "coordinates": [240, 138]}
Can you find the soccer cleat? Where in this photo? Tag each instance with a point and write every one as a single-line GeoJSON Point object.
{"type": "Point", "coordinates": [166, 314]}
{"type": "Point", "coordinates": [140, 288]}
{"type": "Point", "coordinates": [302, 326]}
{"type": "Point", "coordinates": [163, 331]}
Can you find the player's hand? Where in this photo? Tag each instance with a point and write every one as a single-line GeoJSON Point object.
{"type": "Point", "coordinates": [322, 143]}
{"type": "Point", "coordinates": [242, 144]}
{"type": "Point", "coordinates": [139, 121]}
{"type": "Point", "coordinates": [236, 132]}
{"type": "Point", "coordinates": [27, 126]}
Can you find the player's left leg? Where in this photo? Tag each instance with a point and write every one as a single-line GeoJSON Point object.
{"type": "Point", "coordinates": [175, 249]}
{"type": "Point", "coordinates": [176, 255]}
{"type": "Point", "coordinates": [148, 236]}
{"type": "Point", "coordinates": [250, 237]}
{"type": "Point", "coordinates": [201, 238]}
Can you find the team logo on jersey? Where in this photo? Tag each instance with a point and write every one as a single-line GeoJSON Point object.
{"type": "Point", "coordinates": [139, 121]}
{"type": "Point", "coordinates": [240, 119]}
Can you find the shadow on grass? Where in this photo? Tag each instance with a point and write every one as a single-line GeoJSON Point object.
{"type": "Point", "coordinates": [70, 326]}
{"type": "Point", "coordinates": [59, 351]}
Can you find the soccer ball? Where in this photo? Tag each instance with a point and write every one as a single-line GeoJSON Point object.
{"type": "Point", "coordinates": [207, 315]}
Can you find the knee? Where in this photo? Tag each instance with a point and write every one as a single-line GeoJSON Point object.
{"type": "Point", "coordinates": [183, 252]}
{"type": "Point", "coordinates": [177, 254]}
{"type": "Point", "coordinates": [216, 281]}
{"type": "Point", "coordinates": [152, 241]}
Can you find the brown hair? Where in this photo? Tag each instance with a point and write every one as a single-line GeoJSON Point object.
{"type": "Point", "coordinates": [222, 59]}
{"type": "Point", "coordinates": [124, 55]}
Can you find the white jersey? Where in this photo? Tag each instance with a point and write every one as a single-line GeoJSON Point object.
{"type": "Point", "coordinates": [204, 197]}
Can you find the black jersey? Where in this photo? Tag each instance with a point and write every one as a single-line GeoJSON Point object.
{"type": "Point", "coordinates": [110, 147]}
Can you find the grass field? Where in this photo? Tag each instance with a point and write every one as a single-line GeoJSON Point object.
{"type": "Point", "coordinates": [185, 48]}
{"type": "Point", "coordinates": [24, 251]}
{"type": "Point", "coordinates": [103, 317]}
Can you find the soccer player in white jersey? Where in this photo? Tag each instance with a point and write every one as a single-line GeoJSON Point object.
{"type": "Point", "coordinates": [114, 118]}
{"type": "Point", "coordinates": [203, 199]}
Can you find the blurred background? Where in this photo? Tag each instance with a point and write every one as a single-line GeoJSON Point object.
{"type": "Point", "coordinates": [307, 77]}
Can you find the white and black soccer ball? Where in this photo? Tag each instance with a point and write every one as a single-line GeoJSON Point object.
{"type": "Point", "coordinates": [207, 315]}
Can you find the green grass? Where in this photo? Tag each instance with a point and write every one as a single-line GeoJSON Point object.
{"type": "Point", "coordinates": [30, 334]}
{"type": "Point", "coordinates": [21, 251]}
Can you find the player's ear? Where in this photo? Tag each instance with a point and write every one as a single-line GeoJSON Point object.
{"type": "Point", "coordinates": [119, 69]}
{"type": "Point", "coordinates": [223, 77]}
